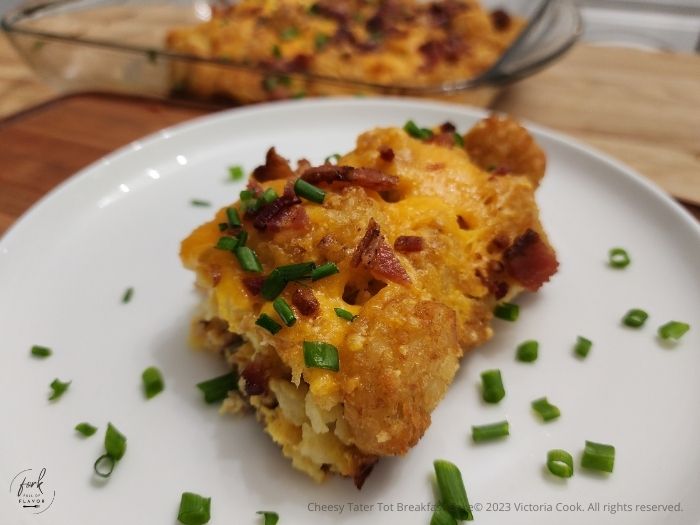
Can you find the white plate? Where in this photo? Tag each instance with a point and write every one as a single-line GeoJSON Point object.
{"type": "Point", "coordinates": [65, 265]}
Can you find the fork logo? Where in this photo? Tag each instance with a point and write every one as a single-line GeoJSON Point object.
{"type": "Point", "coordinates": [32, 490]}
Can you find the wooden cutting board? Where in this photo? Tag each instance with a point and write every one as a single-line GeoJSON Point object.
{"type": "Point", "coordinates": [41, 147]}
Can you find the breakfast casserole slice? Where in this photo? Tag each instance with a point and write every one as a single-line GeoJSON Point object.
{"type": "Point", "coordinates": [344, 295]}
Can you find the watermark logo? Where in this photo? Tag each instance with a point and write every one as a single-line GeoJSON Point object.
{"type": "Point", "coordinates": [32, 490]}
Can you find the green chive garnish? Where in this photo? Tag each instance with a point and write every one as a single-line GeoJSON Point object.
{"type": "Point", "coordinates": [294, 272]}
{"type": "Point", "coordinates": [242, 238]}
{"type": "Point", "coordinates": [673, 330]}
{"type": "Point", "coordinates": [507, 311]}
{"type": "Point", "coordinates": [492, 386]}
{"type": "Point", "coordinates": [545, 409]}
{"type": "Point", "coordinates": [248, 260]}
{"type": "Point", "coordinates": [217, 389]}
{"type": "Point", "coordinates": [320, 41]}
{"type": "Point", "coordinates": [269, 518]}
{"type": "Point", "coordinates": [598, 456]}
{"type": "Point", "coordinates": [527, 351]}
{"type": "Point", "coordinates": [86, 429]}
{"type": "Point", "coordinates": [560, 463]}
{"type": "Point", "coordinates": [344, 314]}
{"type": "Point", "coordinates": [153, 383]}
{"type": "Point", "coordinates": [332, 159]}
{"type": "Point", "coordinates": [273, 285]}
{"type": "Point", "coordinates": [309, 191]}
{"type": "Point", "coordinates": [321, 355]}
{"type": "Point", "coordinates": [442, 517]}
{"type": "Point", "coordinates": [194, 509]}
{"type": "Point", "coordinates": [268, 323]}
{"type": "Point", "coordinates": [289, 33]}
{"type": "Point", "coordinates": [618, 258]}
{"type": "Point", "coordinates": [104, 465]}
{"type": "Point", "coordinates": [246, 195]}
{"type": "Point", "coordinates": [128, 294]}
{"type": "Point", "coordinates": [284, 311]}
{"type": "Point", "coordinates": [228, 244]}
{"type": "Point", "coordinates": [489, 432]}
{"type": "Point", "coordinates": [453, 495]}
{"type": "Point", "coordinates": [58, 388]}
{"type": "Point", "coordinates": [459, 141]}
{"type": "Point", "coordinates": [40, 351]}
{"type": "Point", "coordinates": [200, 203]}
{"type": "Point", "coordinates": [324, 270]}
{"type": "Point", "coordinates": [276, 51]}
{"type": "Point", "coordinates": [115, 442]}
{"type": "Point", "coordinates": [635, 318]}
{"type": "Point", "coordinates": [416, 132]}
{"type": "Point", "coordinates": [233, 217]}
{"type": "Point", "coordinates": [235, 172]}
{"type": "Point", "coordinates": [582, 347]}
{"type": "Point", "coordinates": [269, 195]}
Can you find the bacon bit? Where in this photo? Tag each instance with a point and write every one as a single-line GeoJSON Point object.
{"type": "Point", "coordinates": [305, 301]}
{"type": "Point", "coordinates": [298, 64]}
{"type": "Point", "coordinates": [253, 284]}
{"type": "Point", "coordinates": [448, 127]}
{"type": "Point", "coordinates": [339, 11]}
{"type": "Point", "coordinates": [530, 261]}
{"type": "Point", "coordinates": [435, 51]}
{"type": "Point", "coordinates": [255, 375]}
{"type": "Point", "coordinates": [409, 243]}
{"type": "Point", "coordinates": [343, 34]}
{"type": "Point", "coordinates": [387, 154]}
{"type": "Point", "coordinates": [294, 218]}
{"type": "Point", "coordinates": [444, 12]}
{"type": "Point", "coordinates": [463, 224]}
{"type": "Point", "coordinates": [275, 167]}
{"type": "Point", "coordinates": [375, 254]}
{"type": "Point", "coordinates": [500, 19]}
{"type": "Point", "coordinates": [363, 473]}
{"type": "Point", "coordinates": [499, 243]}
{"type": "Point", "coordinates": [366, 177]}
{"type": "Point", "coordinates": [497, 287]}
{"type": "Point", "coordinates": [444, 139]}
{"type": "Point", "coordinates": [302, 166]}
{"type": "Point", "coordinates": [272, 212]}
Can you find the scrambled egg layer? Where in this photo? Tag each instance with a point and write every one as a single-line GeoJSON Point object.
{"type": "Point", "coordinates": [390, 43]}
{"type": "Point", "coordinates": [470, 199]}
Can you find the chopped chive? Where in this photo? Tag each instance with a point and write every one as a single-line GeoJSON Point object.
{"type": "Point", "coordinates": [673, 330]}
{"type": "Point", "coordinates": [233, 217]}
{"type": "Point", "coordinates": [228, 244]}
{"type": "Point", "coordinates": [321, 355]}
{"type": "Point", "coordinates": [320, 41]}
{"type": "Point", "coordinates": [153, 383]}
{"type": "Point", "coordinates": [217, 388]}
{"type": "Point", "coordinates": [442, 517]}
{"type": "Point", "coordinates": [276, 51]}
{"type": "Point", "coordinates": [416, 132]}
{"type": "Point", "coordinates": [309, 191]}
{"type": "Point", "coordinates": [115, 442]}
{"type": "Point", "coordinates": [269, 518]}
{"type": "Point", "coordinates": [545, 409]}
{"type": "Point", "coordinates": [618, 258]}
{"type": "Point", "coordinates": [235, 172]}
{"type": "Point", "coordinates": [269, 195]}
{"type": "Point", "coordinates": [492, 386]}
{"type": "Point", "coordinates": [273, 285]}
{"type": "Point", "coordinates": [284, 311]}
{"type": "Point", "coordinates": [58, 388]}
{"type": "Point", "coordinates": [453, 495]}
{"type": "Point", "coordinates": [248, 260]}
{"type": "Point", "coordinates": [324, 270]}
{"type": "Point", "coordinates": [99, 468]}
{"type": "Point", "coordinates": [459, 141]}
{"type": "Point", "coordinates": [40, 351]}
{"type": "Point", "coordinates": [344, 314]}
{"type": "Point", "coordinates": [583, 346]}
{"type": "Point", "coordinates": [507, 311]}
{"type": "Point", "coordinates": [527, 351]}
{"type": "Point", "coordinates": [294, 272]}
{"type": "Point", "coordinates": [560, 463]}
{"type": "Point", "coordinates": [489, 432]}
{"type": "Point", "coordinates": [86, 429]}
{"type": "Point", "coordinates": [128, 294]}
{"type": "Point", "coordinates": [200, 203]}
{"type": "Point", "coordinates": [194, 509]}
{"type": "Point", "coordinates": [635, 318]}
{"type": "Point", "coordinates": [289, 33]}
{"type": "Point", "coordinates": [223, 226]}
{"type": "Point", "coordinates": [332, 159]}
{"type": "Point", "coordinates": [598, 456]}
{"type": "Point", "coordinates": [268, 323]}
{"type": "Point", "coordinates": [246, 195]}
{"type": "Point", "coordinates": [252, 205]}
{"type": "Point", "coordinates": [242, 237]}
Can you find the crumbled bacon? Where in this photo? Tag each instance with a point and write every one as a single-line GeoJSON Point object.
{"type": "Point", "coordinates": [448, 49]}
{"type": "Point", "coordinates": [530, 261]}
{"type": "Point", "coordinates": [339, 11]}
{"type": "Point", "coordinates": [366, 177]}
{"type": "Point", "coordinates": [255, 375]}
{"type": "Point", "coordinates": [500, 19]}
{"type": "Point", "coordinates": [386, 154]}
{"type": "Point", "coordinates": [375, 254]}
{"type": "Point", "coordinates": [275, 167]}
{"type": "Point", "coordinates": [253, 284]}
{"type": "Point", "coordinates": [444, 12]}
{"type": "Point", "coordinates": [280, 213]}
{"type": "Point", "coordinates": [294, 218]}
{"type": "Point", "coordinates": [409, 243]}
{"type": "Point", "coordinates": [448, 127]}
{"type": "Point", "coordinates": [343, 34]}
{"type": "Point", "coordinates": [445, 139]}
{"type": "Point", "coordinates": [305, 301]}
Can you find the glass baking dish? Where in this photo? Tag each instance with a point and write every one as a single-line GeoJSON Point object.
{"type": "Point", "coordinates": [119, 46]}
